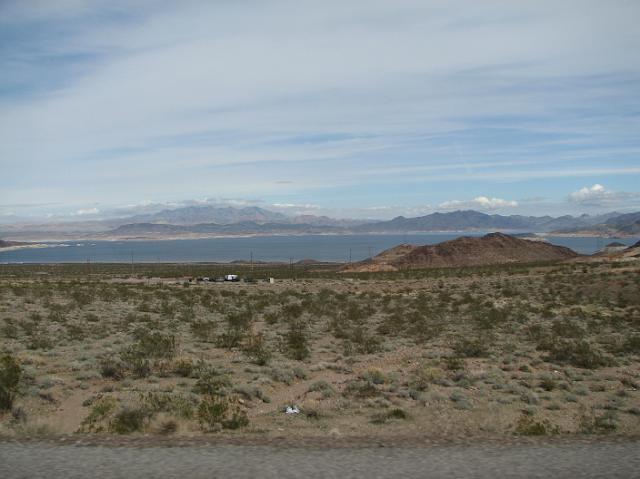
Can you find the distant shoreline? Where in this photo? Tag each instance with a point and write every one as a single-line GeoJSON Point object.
{"type": "Point", "coordinates": [43, 242]}
{"type": "Point", "coordinates": [29, 246]}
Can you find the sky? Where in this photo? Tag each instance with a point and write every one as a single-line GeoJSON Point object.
{"type": "Point", "coordinates": [348, 108]}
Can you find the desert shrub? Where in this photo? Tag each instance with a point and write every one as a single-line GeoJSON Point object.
{"type": "Point", "coordinates": [216, 413]}
{"type": "Point", "coordinates": [9, 329]}
{"type": "Point", "coordinates": [256, 349]}
{"type": "Point", "coordinates": [10, 374]}
{"type": "Point", "coordinates": [361, 389]}
{"type": "Point", "coordinates": [155, 344]}
{"type": "Point", "coordinates": [528, 426]}
{"type": "Point", "coordinates": [424, 376]}
{"type": "Point", "coordinates": [322, 387]}
{"type": "Point", "coordinates": [176, 404]}
{"type": "Point", "coordinates": [548, 383]}
{"type": "Point", "coordinates": [135, 361]}
{"type": "Point", "coordinates": [631, 344]}
{"type": "Point", "coordinates": [230, 338]}
{"type": "Point", "coordinates": [39, 340]}
{"type": "Point", "coordinates": [566, 328]}
{"type": "Point", "coordinates": [374, 376]}
{"type": "Point", "coordinates": [489, 317]}
{"type": "Point", "coordinates": [454, 363]}
{"type": "Point", "coordinates": [271, 318]}
{"type": "Point", "coordinates": [111, 368]}
{"type": "Point", "coordinates": [365, 342]}
{"type": "Point", "coordinates": [168, 427]}
{"type": "Point", "coordinates": [579, 353]}
{"type": "Point", "coordinates": [382, 417]}
{"type": "Point", "coordinates": [129, 419]}
{"type": "Point", "coordinates": [240, 320]}
{"type": "Point", "coordinates": [282, 375]}
{"type": "Point", "coordinates": [460, 400]}
{"type": "Point", "coordinates": [100, 410]}
{"type": "Point", "coordinates": [592, 423]}
{"type": "Point", "coordinates": [184, 367]}
{"type": "Point", "coordinates": [470, 348]}
{"type": "Point", "coordinates": [251, 392]}
{"type": "Point", "coordinates": [296, 342]}
{"type": "Point", "coordinates": [75, 332]}
{"type": "Point", "coordinates": [203, 330]}
{"type": "Point", "coordinates": [212, 383]}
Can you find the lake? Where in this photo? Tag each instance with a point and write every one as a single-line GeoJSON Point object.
{"type": "Point", "coordinates": [264, 248]}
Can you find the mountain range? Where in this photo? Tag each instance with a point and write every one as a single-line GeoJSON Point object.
{"type": "Point", "coordinates": [211, 220]}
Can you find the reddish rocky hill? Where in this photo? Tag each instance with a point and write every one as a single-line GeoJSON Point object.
{"type": "Point", "coordinates": [494, 248]}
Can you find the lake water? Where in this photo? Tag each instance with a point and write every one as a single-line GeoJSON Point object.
{"type": "Point", "coordinates": [264, 248]}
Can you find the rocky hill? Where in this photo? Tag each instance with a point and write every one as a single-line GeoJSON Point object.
{"type": "Point", "coordinates": [494, 248]}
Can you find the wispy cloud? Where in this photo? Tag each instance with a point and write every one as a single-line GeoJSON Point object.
{"type": "Point", "coordinates": [293, 101]}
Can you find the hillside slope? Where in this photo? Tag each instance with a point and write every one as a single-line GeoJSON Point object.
{"type": "Point", "coordinates": [494, 248]}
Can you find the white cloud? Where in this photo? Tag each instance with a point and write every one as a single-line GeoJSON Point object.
{"type": "Point", "coordinates": [599, 196]}
{"type": "Point", "coordinates": [86, 211]}
{"type": "Point", "coordinates": [587, 194]}
{"type": "Point", "coordinates": [480, 202]}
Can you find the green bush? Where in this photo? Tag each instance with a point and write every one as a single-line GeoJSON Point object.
{"type": "Point", "coordinates": [111, 368]}
{"type": "Point", "coordinates": [10, 374]}
{"type": "Point", "coordinates": [577, 352]}
{"type": "Point", "coordinates": [217, 413]}
{"type": "Point", "coordinates": [129, 420]}
{"type": "Point", "coordinates": [385, 416]}
{"type": "Point", "coordinates": [296, 342]}
{"type": "Point", "coordinates": [204, 330]}
{"type": "Point", "coordinates": [256, 349]}
{"type": "Point", "coordinates": [527, 426]}
{"type": "Point", "coordinates": [322, 387]}
{"type": "Point", "coordinates": [470, 348]}
{"type": "Point", "coordinates": [212, 383]}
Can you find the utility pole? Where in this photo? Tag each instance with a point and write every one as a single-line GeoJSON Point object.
{"type": "Point", "coordinates": [349, 255]}
{"type": "Point", "coordinates": [252, 262]}
{"type": "Point", "coordinates": [132, 263]}
{"type": "Point", "coordinates": [370, 255]}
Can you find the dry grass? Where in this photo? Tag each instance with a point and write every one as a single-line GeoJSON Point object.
{"type": "Point", "coordinates": [538, 349]}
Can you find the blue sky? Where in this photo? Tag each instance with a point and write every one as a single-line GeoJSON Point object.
{"type": "Point", "coordinates": [361, 108]}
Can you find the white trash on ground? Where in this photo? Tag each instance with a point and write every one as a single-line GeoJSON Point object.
{"type": "Point", "coordinates": [292, 410]}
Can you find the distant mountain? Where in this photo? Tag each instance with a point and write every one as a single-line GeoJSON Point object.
{"type": "Point", "coordinates": [223, 215]}
{"type": "Point", "coordinates": [494, 248]}
{"type": "Point", "coordinates": [474, 220]}
{"type": "Point", "coordinates": [209, 220]}
{"type": "Point", "coordinates": [619, 225]}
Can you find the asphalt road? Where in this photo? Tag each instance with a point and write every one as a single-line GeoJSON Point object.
{"type": "Point", "coordinates": [545, 460]}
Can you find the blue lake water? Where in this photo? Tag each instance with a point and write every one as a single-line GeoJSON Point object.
{"type": "Point", "coordinates": [264, 248]}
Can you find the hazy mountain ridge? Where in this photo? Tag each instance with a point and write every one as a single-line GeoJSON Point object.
{"type": "Point", "coordinates": [475, 220]}
{"type": "Point", "coordinates": [627, 224]}
{"type": "Point", "coordinates": [209, 220]}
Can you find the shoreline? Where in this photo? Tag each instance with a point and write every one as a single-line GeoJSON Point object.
{"type": "Point", "coordinates": [42, 242]}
